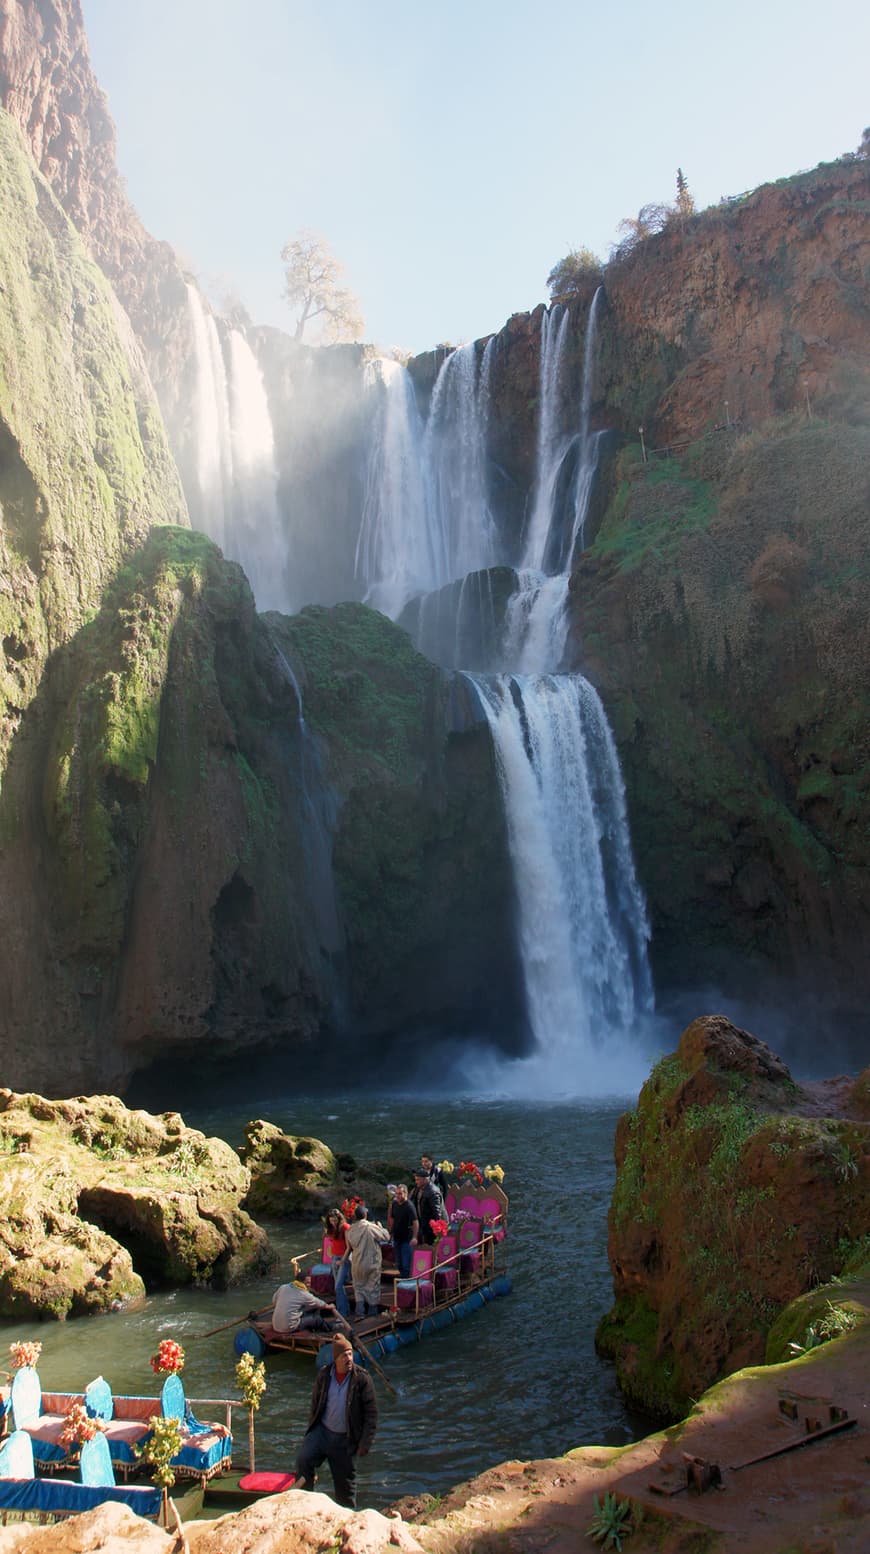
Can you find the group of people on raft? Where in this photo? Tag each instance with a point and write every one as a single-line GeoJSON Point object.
{"type": "Point", "coordinates": [344, 1411]}
{"type": "Point", "coordinates": [354, 1248]}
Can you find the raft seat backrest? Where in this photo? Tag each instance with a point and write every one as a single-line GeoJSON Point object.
{"type": "Point", "coordinates": [43, 1427]}
{"type": "Point", "coordinates": [470, 1234]}
{"type": "Point", "coordinates": [16, 1456]}
{"type": "Point", "coordinates": [98, 1399]}
{"type": "Point", "coordinates": [26, 1397]}
{"type": "Point", "coordinates": [95, 1462]}
{"type": "Point", "coordinates": [206, 1449]}
{"type": "Point", "coordinates": [419, 1289]}
{"type": "Point", "coordinates": [451, 1202]}
{"type": "Point", "coordinates": [470, 1205]}
{"type": "Point", "coordinates": [447, 1263]}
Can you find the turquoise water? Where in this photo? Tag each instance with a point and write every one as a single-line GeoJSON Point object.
{"type": "Point", "coordinates": [518, 1379]}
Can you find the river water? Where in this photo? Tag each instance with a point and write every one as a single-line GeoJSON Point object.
{"type": "Point", "coordinates": [519, 1378]}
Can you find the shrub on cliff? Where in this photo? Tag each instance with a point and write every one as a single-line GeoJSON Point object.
{"type": "Point", "coordinates": [574, 274]}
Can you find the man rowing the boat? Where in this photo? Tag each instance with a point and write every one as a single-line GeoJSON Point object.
{"type": "Point", "coordinates": [296, 1310]}
{"type": "Point", "coordinates": [341, 1425]}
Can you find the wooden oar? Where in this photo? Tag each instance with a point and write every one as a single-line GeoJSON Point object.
{"type": "Point", "coordinates": [237, 1322]}
{"type": "Point", "coordinates": [358, 1343]}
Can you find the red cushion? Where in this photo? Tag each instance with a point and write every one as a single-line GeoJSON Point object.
{"type": "Point", "coordinates": [267, 1483]}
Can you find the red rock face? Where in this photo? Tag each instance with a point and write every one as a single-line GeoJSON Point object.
{"type": "Point", "coordinates": [758, 303]}
{"type": "Point", "coordinates": [736, 1192]}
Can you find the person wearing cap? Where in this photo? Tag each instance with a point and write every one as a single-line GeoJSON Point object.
{"type": "Point", "coordinates": [428, 1204]}
{"type": "Point", "coordinates": [295, 1309]}
{"type": "Point", "coordinates": [341, 1424]}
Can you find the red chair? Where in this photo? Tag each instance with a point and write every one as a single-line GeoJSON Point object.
{"type": "Point", "coordinates": [419, 1290]}
{"type": "Point", "coordinates": [446, 1266]}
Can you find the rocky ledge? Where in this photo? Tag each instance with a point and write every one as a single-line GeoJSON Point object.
{"type": "Point", "coordinates": [814, 1501]}
{"type": "Point", "coordinates": [97, 1198]}
{"type": "Point", "coordinates": [737, 1192]}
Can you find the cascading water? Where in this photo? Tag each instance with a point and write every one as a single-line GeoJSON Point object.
{"type": "Point", "coordinates": [236, 500]}
{"type": "Point", "coordinates": [582, 924]}
{"type": "Point", "coordinates": [402, 548]}
{"type": "Point", "coordinates": [455, 459]}
{"type": "Point", "coordinates": [552, 444]}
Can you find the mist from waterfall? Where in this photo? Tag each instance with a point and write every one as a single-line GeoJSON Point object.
{"type": "Point", "coordinates": [552, 444]}
{"type": "Point", "coordinates": [237, 479]}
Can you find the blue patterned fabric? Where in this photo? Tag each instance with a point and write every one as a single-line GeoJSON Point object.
{"type": "Point", "coordinates": [95, 1463]}
{"type": "Point", "coordinates": [46, 1494]}
{"type": "Point", "coordinates": [98, 1399]}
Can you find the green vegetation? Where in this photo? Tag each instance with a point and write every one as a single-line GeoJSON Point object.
{"type": "Point", "coordinates": [611, 1522]}
{"type": "Point", "coordinates": [574, 274]}
{"type": "Point", "coordinates": [84, 464]}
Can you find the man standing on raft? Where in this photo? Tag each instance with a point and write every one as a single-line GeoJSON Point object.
{"type": "Point", "coordinates": [341, 1425]}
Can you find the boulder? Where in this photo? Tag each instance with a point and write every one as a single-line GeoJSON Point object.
{"type": "Point", "coordinates": [110, 1529]}
{"type": "Point", "coordinates": [737, 1191]}
{"type": "Point", "coordinates": [100, 1199]}
{"type": "Point", "coordinates": [300, 1523]}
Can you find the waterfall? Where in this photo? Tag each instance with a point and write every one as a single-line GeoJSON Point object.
{"type": "Point", "coordinates": [536, 623]}
{"type": "Point", "coordinates": [552, 444]}
{"type": "Point", "coordinates": [236, 501]}
{"type": "Point", "coordinates": [401, 549]}
{"type": "Point", "coordinates": [582, 923]}
{"type": "Point", "coordinates": [210, 421]}
{"type": "Point", "coordinates": [455, 456]}
{"type": "Point", "coordinates": [587, 462]}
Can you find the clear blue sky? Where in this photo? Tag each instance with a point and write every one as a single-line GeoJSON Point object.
{"type": "Point", "coordinates": [452, 150]}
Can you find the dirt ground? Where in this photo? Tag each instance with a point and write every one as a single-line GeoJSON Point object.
{"type": "Point", "coordinates": [811, 1500]}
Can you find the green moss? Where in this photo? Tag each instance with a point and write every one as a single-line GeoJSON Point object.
{"type": "Point", "coordinates": [84, 463]}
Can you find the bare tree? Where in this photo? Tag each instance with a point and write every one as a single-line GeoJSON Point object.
{"type": "Point", "coordinates": [311, 285]}
{"type": "Point", "coordinates": [634, 229]}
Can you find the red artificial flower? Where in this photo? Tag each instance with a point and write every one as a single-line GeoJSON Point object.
{"type": "Point", "coordinates": [439, 1227]}
{"type": "Point", "coordinates": [468, 1168]}
{"type": "Point", "coordinates": [348, 1207]}
{"type": "Point", "coordinates": [169, 1357]}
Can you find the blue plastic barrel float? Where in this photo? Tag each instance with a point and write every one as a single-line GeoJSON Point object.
{"type": "Point", "coordinates": [249, 1341]}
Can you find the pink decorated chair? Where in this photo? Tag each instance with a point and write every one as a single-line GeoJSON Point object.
{"type": "Point", "coordinates": [451, 1203]}
{"type": "Point", "coordinates": [471, 1251]}
{"type": "Point", "coordinates": [447, 1266]}
{"type": "Point", "coordinates": [320, 1279]}
{"type": "Point", "coordinates": [418, 1291]}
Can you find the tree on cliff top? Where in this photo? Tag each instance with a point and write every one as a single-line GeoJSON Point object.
{"type": "Point", "coordinates": [684, 204]}
{"type": "Point", "coordinates": [634, 229]}
{"type": "Point", "coordinates": [311, 285]}
{"type": "Point", "coordinates": [573, 273]}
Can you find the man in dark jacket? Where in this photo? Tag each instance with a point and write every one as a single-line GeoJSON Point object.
{"type": "Point", "coordinates": [428, 1204]}
{"type": "Point", "coordinates": [341, 1425]}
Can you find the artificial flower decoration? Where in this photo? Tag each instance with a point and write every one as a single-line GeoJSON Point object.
{"type": "Point", "coordinates": [439, 1227]}
{"type": "Point", "coordinates": [461, 1216]}
{"type": "Point", "coordinates": [169, 1358]}
{"type": "Point", "coordinates": [251, 1380]}
{"type": "Point", "coordinates": [79, 1426]}
{"type": "Point", "coordinates": [161, 1446]}
{"type": "Point", "coordinates": [22, 1354]}
{"type": "Point", "coordinates": [468, 1168]}
{"type": "Point", "coordinates": [494, 1173]}
{"type": "Point", "coordinates": [447, 1167]}
{"type": "Point", "coordinates": [348, 1207]}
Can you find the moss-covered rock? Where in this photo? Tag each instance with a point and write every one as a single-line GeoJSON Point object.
{"type": "Point", "coordinates": [85, 468]}
{"type": "Point", "coordinates": [98, 1199]}
{"type": "Point", "coordinates": [289, 1174]}
{"type": "Point", "coordinates": [736, 1192]}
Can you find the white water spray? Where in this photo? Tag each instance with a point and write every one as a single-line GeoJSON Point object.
{"type": "Point", "coordinates": [455, 457]}
{"type": "Point", "coordinates": [236, 501]}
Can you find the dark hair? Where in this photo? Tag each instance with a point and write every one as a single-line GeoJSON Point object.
{"type": "Point", "coordinates": [330, 1216]}
{"type": "Point", "coordinates": [360, 1212]}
